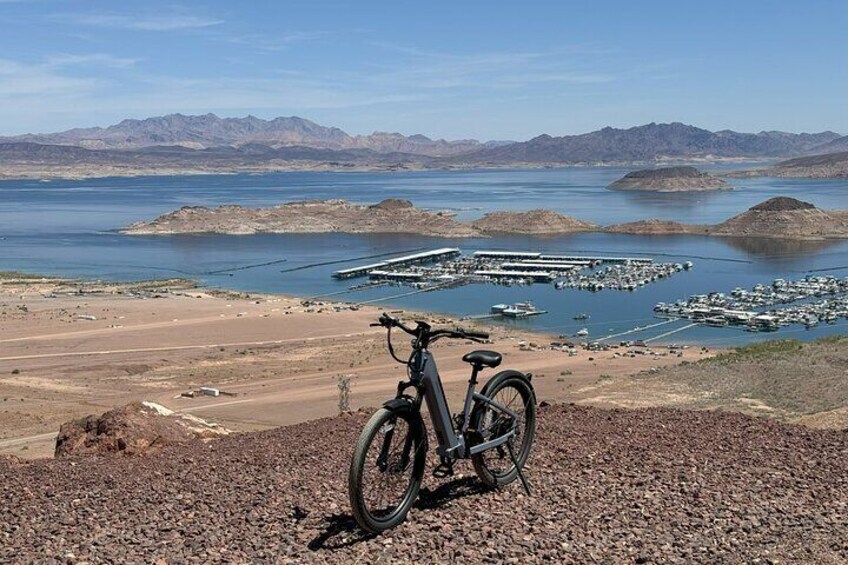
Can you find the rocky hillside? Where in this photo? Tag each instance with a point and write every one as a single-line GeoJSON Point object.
{"type": "Point", "coordinates": [670, 179]}
{"type": "Point", "coordinates": [610, 486]}
{"type": "Point", "coordinates": [830, 166]}
{"type": "Point", "coordinates": [390, 216]}
{"type": "Point", "coordinates": [779, 217]}
{"type": "Point", "coordinates": [784, 217]}
{"type": "Point", "coordinates": [657, 227]}
{"type": "Point", "coordinates": [533, 222]}
{"type": "Point", "coordinates": [311, 216]}
{"type": "Point", "coordinates": [825, 166]}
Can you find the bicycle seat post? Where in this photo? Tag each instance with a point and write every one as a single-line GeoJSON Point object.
{"type": "Point", "coordinates": [469, 396]}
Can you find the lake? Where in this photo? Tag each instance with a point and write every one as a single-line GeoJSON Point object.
{"type": "Point", "coordinates": [68, 228]}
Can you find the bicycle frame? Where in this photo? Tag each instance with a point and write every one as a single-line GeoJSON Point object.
{"type": "Point", "coordinates": [424, 376]}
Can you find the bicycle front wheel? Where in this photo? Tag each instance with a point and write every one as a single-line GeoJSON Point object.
{"type": "Point", "coordinates": [495, 466]}
{"type": "Point", "coordinates": [386, 469]}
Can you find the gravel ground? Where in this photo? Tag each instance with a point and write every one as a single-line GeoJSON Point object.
{"type": "Point", "coordinates": [621, 486]}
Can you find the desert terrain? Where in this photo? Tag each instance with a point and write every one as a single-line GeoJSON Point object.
{"type": "Point", "coordinates": [609, 486]}
{"type": "Point", "coordinates": [69, 349]}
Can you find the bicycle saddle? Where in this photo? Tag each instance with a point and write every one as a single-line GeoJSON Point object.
{"type": "Point", "coordinates": [482, 357]}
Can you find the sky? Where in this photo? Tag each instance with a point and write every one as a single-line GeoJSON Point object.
{"type": "Point", "coordinates": [459, 69]}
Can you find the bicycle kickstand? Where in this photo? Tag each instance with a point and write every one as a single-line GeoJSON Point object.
{"type": "Point", "coordinates": [520, 471]}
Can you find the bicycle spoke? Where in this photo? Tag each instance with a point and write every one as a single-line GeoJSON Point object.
{"type": "Point", "coordinates": [384, 490]}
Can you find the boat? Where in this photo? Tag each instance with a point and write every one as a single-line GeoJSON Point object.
{"type": "Point", "coordinates": [582, 332]}
{"type": "Point", "coordinates": [581, 316]}
{"type": "Point", "coordinates": [517, 310]}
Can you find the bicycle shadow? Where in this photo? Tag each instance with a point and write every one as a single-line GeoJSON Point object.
{"type": "Point", "coordinates": [342, 530]}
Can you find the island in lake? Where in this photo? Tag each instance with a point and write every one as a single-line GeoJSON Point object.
{"type": "Point", "coordinates": [670, 179]}
{"type": "Point", "coordinates": [779, 217]}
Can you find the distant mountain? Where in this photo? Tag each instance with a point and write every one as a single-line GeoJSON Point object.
{"type": "Point", "coordinates": [837, 145]}
{"type": "Point", "coordinates": [208, 130]}
{"type": "Point", "coordinates": [179, 143]}
{"type": "Point", "coordinates": [651, 142]}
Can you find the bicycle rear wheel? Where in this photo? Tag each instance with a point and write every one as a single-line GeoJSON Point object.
{"type": "Point", "coordinates": [386, 469]}
{"type": "Point", "coordinates": [495, 466]}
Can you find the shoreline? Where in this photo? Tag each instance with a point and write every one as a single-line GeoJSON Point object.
{"type": "Point", "coordinates": [39, 173]}
{"type": "Point", "coordinates": [67, 354]}
{"type": "Point", "coordinates": [776, 218]}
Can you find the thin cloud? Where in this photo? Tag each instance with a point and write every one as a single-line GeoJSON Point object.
{"type": "Point", "coordinates": [171, 22]}
{"type": "Point", "coordinates": [18, 80]}
{"type": "Point", "coordinates": [101, 59]}
{"type": "Point", "coordinates": [272, 43]}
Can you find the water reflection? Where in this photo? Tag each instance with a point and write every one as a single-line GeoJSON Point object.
{"type": "Point", "coordinates": [782, 250]}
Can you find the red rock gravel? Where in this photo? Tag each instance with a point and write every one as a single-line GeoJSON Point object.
{"type": "Point", "coordinates": [642, 486]}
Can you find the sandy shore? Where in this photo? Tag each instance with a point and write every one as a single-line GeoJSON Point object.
{"type": "Point", "coordinates": [70, 349]}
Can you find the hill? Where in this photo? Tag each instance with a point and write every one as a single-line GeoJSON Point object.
{"type": "Point", "coordinates": [648, 143]}
{"type": "Point", "coordinates": [824, 166]}
{"type": "Point", "coordinates": [533, 222]}
{"type": "Point", "coordinates": [713, 487]}
{"type": "Point", "coordinates": [670, 179]}
{"type": "Point", "coordinates": [832, 165]}
{"type": "Point", "coordinates": [784, 217]}
{"type": "Point", "coordinates": [656, 227]}
{"type": "Point", "coordinates": [780, 217]}
{"type": "Point", "coordinates": [310, 216]}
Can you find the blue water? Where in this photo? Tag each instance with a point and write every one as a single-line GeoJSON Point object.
{"type": "Point", "coordinates": [68, 228]}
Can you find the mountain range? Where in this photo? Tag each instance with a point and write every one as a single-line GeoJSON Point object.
{"type": "Point", "coordinates": [209, 130]}
{"type": "Point", "coordinates": [208, 143]}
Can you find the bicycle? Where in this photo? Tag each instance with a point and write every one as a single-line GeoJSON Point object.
{"type": "Point", "coordinates": [495, 429]}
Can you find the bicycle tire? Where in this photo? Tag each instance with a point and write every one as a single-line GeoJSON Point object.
{"type": "Point", "coordinates": [487, 472]}
{"type": "Point", "coordinates": [364, 462]}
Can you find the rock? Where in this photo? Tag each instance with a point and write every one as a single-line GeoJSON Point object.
{"type": "Point", "coordinates": [535, 222]}
{"type": "Point", "coordinates": [392, 204]}
{"type": "Point", "coordinates": [670, 179]}
{"type": "Point", "coordinates": [132, 429]}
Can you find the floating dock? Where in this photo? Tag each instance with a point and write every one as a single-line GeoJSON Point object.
{"type": "Point", "coordinates": [537, 276]}
{"type": "Point", "coordinates": [406, 260]}
{"type": "Point", "coordinates": [539, 266]}
{"type": "Point", "coordinates": [506, 255]}
{"type": "Point", "coordinates": [585, 260]}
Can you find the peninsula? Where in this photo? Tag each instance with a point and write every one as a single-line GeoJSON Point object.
{"type": "Point", "coordinates": [827, 166]}
{"type": "Point", "coordinates": [670, 179]}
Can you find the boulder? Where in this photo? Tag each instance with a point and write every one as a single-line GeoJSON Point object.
{"type": "Point", "coordinates": [132, 429]}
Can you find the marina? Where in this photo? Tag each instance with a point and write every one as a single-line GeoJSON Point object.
{"type": "Point", "coordinates": [518, 267]}
{"type": "Point", "coordinates": [85, 245]}
{"type": "Point", "coordinates": [810, 301]}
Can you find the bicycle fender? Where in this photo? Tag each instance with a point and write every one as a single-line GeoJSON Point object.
{"type": "Point", "coordinates": [401, 403]}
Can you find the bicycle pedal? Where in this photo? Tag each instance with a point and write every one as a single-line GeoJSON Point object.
{"type": "Point", "coordinates": [443, 470]}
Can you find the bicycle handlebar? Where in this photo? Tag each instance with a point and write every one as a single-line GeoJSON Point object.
{"type": "Point", "coordinates": [423, 329]}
